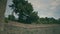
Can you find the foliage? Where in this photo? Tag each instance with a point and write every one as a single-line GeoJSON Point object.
{"type": "Point", "coordinates": [6, 20]}
{"type": "Point", "coordinates": [58, 21]}
{"type": "Point", "coordinates": [25, 10]}
{"type": "Point", "coordinates": [11, 17]}
{"type": "Point", "coordinates": [47, 20]}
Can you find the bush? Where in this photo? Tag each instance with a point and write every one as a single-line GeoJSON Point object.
{"type": "Point", "coordinates": [6, 20]}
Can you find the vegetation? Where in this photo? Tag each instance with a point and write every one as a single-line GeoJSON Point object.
{"type": "Point", "coordinates": [25, 10]}
{"type": "Point", "coordinates": [11, 17]}
{"type": "Point", "coordinates": [6, 20]}
{"type": "Point", "coordinates": [12, 29]}
{"type": "Point", "coordinates": [47, 20]}
{"type": "Point", "coordinates": [27, 15]}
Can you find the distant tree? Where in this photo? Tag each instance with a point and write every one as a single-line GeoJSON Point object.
{"type": "Point", "coordinates": [6, 20]}
{"type": "Point", "coordinates": [47, 20]}
{"type": "Point", "coordinates": [25, 10]}
{"type": "Point", "coordinates": [42, 20]}
{"type": "Point", "coordinates": [58, 21]}
{"type": "Point", "coordinates": [11, 17]}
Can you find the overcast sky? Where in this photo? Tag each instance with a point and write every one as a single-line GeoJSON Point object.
{"type": "Point", "coordinates": [45, 8]}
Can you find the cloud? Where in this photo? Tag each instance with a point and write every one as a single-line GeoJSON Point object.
{"type": "Point", "coordinates": [46, 8]}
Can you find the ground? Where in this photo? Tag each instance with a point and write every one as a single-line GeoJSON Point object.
{"type": "Point", "coordinates": [19, 28]}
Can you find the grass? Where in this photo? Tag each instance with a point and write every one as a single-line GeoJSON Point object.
{"type": "Point", "coordinates": [12, 29]}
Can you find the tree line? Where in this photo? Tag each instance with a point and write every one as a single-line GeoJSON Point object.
{"type": "Point", "coordinates": [47, 20]}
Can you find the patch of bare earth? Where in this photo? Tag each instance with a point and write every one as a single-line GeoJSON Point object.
{"type": "Point", "coordinates": [32, 25]}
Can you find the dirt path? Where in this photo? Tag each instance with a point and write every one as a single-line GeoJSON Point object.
{"type": "Point", "coordinates": [33, 25]}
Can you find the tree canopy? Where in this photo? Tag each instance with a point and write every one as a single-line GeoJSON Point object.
{"type": "Point", "coordinates": [25, 10]}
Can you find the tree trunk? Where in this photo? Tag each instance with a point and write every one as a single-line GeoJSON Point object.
{"type": "Point", "coordinates": [2, 11]}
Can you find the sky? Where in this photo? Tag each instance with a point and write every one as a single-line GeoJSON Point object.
{"type": "Point", "coordinates": [45, 8]}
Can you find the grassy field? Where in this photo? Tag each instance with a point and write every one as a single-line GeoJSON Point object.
{"type": "Point", "coordinates": [18, 28]}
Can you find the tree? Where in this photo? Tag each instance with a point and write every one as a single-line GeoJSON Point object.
{"type": "Point", "coordinates": [58, 21]}
{"type": "Point", "coordinates": [11, 17]}
{"type": "Point", "coordinates": [2, 11]}
{"type": "Point", "coordinates": [25, 10]}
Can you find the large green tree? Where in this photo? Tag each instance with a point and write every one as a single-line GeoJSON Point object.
{"type": "Point", "coordinates": [25, 10]}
